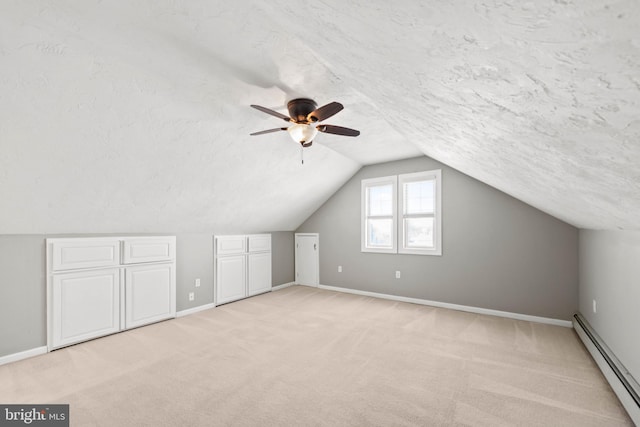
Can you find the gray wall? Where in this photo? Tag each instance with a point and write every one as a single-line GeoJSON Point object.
{"type": "Point", "coordinates": [194, 260]}
{"type": "Point", "coordinates": [23, 323]}
{"type": "Point", "coordinates": [23, 281]}
{"type": "Point", "coordinates": [283, 258]}
{"type": "Point", "coordinates": [610, 274]}
{"type": "Point", "coordinates": [498, 252]}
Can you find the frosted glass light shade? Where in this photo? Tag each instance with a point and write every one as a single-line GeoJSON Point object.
{"type": "Point", "coordinates": [302, 133]}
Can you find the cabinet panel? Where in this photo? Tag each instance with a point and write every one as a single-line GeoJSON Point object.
{"type": "Point", "coordinates": [149, 294]}
{"type": "Point", "coordinates": [259, 272]}
{"type": "Point", "coordinates": [148, 249]}
{"type": "Point", "coordinates": [260, 243]}
{"type": "Point", "coordinates": [229, 245]}
{"type": "Point", "coordinates": [74, 254]}
{"type": "Point", "coordinates": [230, 278]}
{"type": "Point", "coordinates": [85, 305]}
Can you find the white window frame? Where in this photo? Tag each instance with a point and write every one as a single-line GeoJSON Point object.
{"type": "Point", "coordinates": [376, 182]}
{"type": "Point", "coordinates": [434, 175]}
{"type": "Point", "coordinates": [398, 240]}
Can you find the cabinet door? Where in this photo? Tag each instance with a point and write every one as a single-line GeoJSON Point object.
{"type": "Point", "coordinates": [260, 243]}
{"type": "Point", "coordinates": [84, 305]}
{"type": "Point", "coordinates": [148, 249]}
{"type": "Point", "coordinates": [231, 277]}
{"type": "Point", "coordinates": [230, 245]}
{"type": "Point", "coordinates": [259, 271]}
{"type": "Point", "coordinates": [77, 253]}
{"type": "Point", "coordinates": [150, 294]}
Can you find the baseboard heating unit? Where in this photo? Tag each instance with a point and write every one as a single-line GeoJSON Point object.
{"type": "Point", "coordinates": [621, 381]}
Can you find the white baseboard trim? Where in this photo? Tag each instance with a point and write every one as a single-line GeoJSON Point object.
{"type": "Point", "coordinates": [189, 311]}
{"type": "Point", "coordinates": [477, 310]}
{"type": "Point", "coordinates": [23, 355]}
{"type": "Point", "coordinates": [598, 349]}
{"type": "Point", "coordinates": [285, 285]}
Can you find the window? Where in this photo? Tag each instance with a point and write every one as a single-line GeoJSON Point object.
{"type": "Point", "coordinates": [402, 214]}
{"type": "Point", "coordinates": [419, 198]}
{"type": "Point", "coordinates": [379, 210]}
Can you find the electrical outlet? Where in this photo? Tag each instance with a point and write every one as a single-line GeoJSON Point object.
{"type": "Point", "coordinates": [594, 306]}
{"type": "Point", "coordinates": [339, 269]}
{"type": "Point", "coordinates": [192, 296]}
{"type": "Point", "coordinates": [397, 274]}
{"type": "Point", "coordinates": [197, 283]}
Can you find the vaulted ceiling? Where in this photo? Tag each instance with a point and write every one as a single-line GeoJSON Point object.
{"type": "Point", "coordinates": [134, 116]}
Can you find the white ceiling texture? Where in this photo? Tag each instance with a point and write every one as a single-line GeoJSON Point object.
{"type": "Point", "coordinates": [133, 116]}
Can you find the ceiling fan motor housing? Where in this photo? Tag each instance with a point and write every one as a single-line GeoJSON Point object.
{"type": "Point", "coordinates": [300, 108]}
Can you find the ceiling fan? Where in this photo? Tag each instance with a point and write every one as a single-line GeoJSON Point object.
{"type": "Point", "coordinates": [305, 116]}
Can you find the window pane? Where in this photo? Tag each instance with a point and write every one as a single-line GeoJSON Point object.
{"type": "Point", "coordinates": [380, 200]}
{"type": "Point", "coordinates": [418, 232]}
{"type": "Point", "coordinates": [419, 197]}
{"type": "Point", "coordinates": [379, 233]}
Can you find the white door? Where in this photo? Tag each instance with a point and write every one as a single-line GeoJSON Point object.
{"type": "Point", "coordinates": [85, 305]}
{"type": "Point", "coordinates": [259, 271]}
{"type": "Point", "coordinates": [307, 259]}
{"type": "Point", "coordinates": [231, 274]}
{"type": "Point", "coordinates": [150, 294]}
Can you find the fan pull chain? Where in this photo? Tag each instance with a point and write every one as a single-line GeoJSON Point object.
{"type": "Point", "coordinates": [302, 154]}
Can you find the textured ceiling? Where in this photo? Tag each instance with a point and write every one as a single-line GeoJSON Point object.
{"type": "Point", "coordinates": [134, 116]}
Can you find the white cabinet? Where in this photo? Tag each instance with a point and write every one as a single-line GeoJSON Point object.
{"type": "Point", "coordinates": [258, 273]}
{"type": "Point", "coordinates": [85, 305]}
{"type": "Point", "coordinates": [230, 245]}
{"type": "Point", "coordinates": [242, 266]}
{"type": "Point", "coordinates": [148, 249]}
{"type": "Point", "coordinates": [231, 274]}
{"type": "Point", "coordinates": [149, 294]}
{"type": "Point", "coordinates": [74, 254]}
{"type": "Point", "coordinates": [259, 243]}
{"type": "Point", "coordinates": [99, 286]}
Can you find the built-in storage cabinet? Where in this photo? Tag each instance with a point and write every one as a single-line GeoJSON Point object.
{"type": "Point", "coordinates": [258, 273]}
{"type": "Point", "coordinates": [74, 254]}
{"type": "Point", "coordinates": [230, 245]}
{"type": "Point", "coordinates": [99, 286]}
{"type": "Point", "coordinates": [231, 278]}
{"type": "Point", "coordinates": [84, 305]}
{"type": "Point", "coordinates": [259, 243]}
{"type": "Point", "coordinates": [157, 249]}
{"type": "Point", "coordinates": [242, 266]}
{"type": "Point", "coordinates": [149, 294]}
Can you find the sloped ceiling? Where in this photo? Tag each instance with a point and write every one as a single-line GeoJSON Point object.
{"type": "Point", "coordinates": [134, 116]}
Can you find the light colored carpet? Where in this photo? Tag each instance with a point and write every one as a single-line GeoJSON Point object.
{"type": "Point", "coordinates": [307, 357]}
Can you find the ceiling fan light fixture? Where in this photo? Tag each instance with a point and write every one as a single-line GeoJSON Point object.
{"type": "Point", "coordinates": [302, 133]}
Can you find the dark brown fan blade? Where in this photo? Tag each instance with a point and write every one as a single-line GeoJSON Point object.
{"type": "Point", "coordinates": [262, 132]}
{"type": "Point", "coordinates": [325, 112]}
{"type": "Point", "coordinates": [338, 130]}
{"type": "Point", "coordinates": [273, 113]}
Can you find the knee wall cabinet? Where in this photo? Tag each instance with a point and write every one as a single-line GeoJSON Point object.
{"type": "Point", "coordinates": [99, 286]}
{"type": "Point", "coordinates": [242, 266]}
